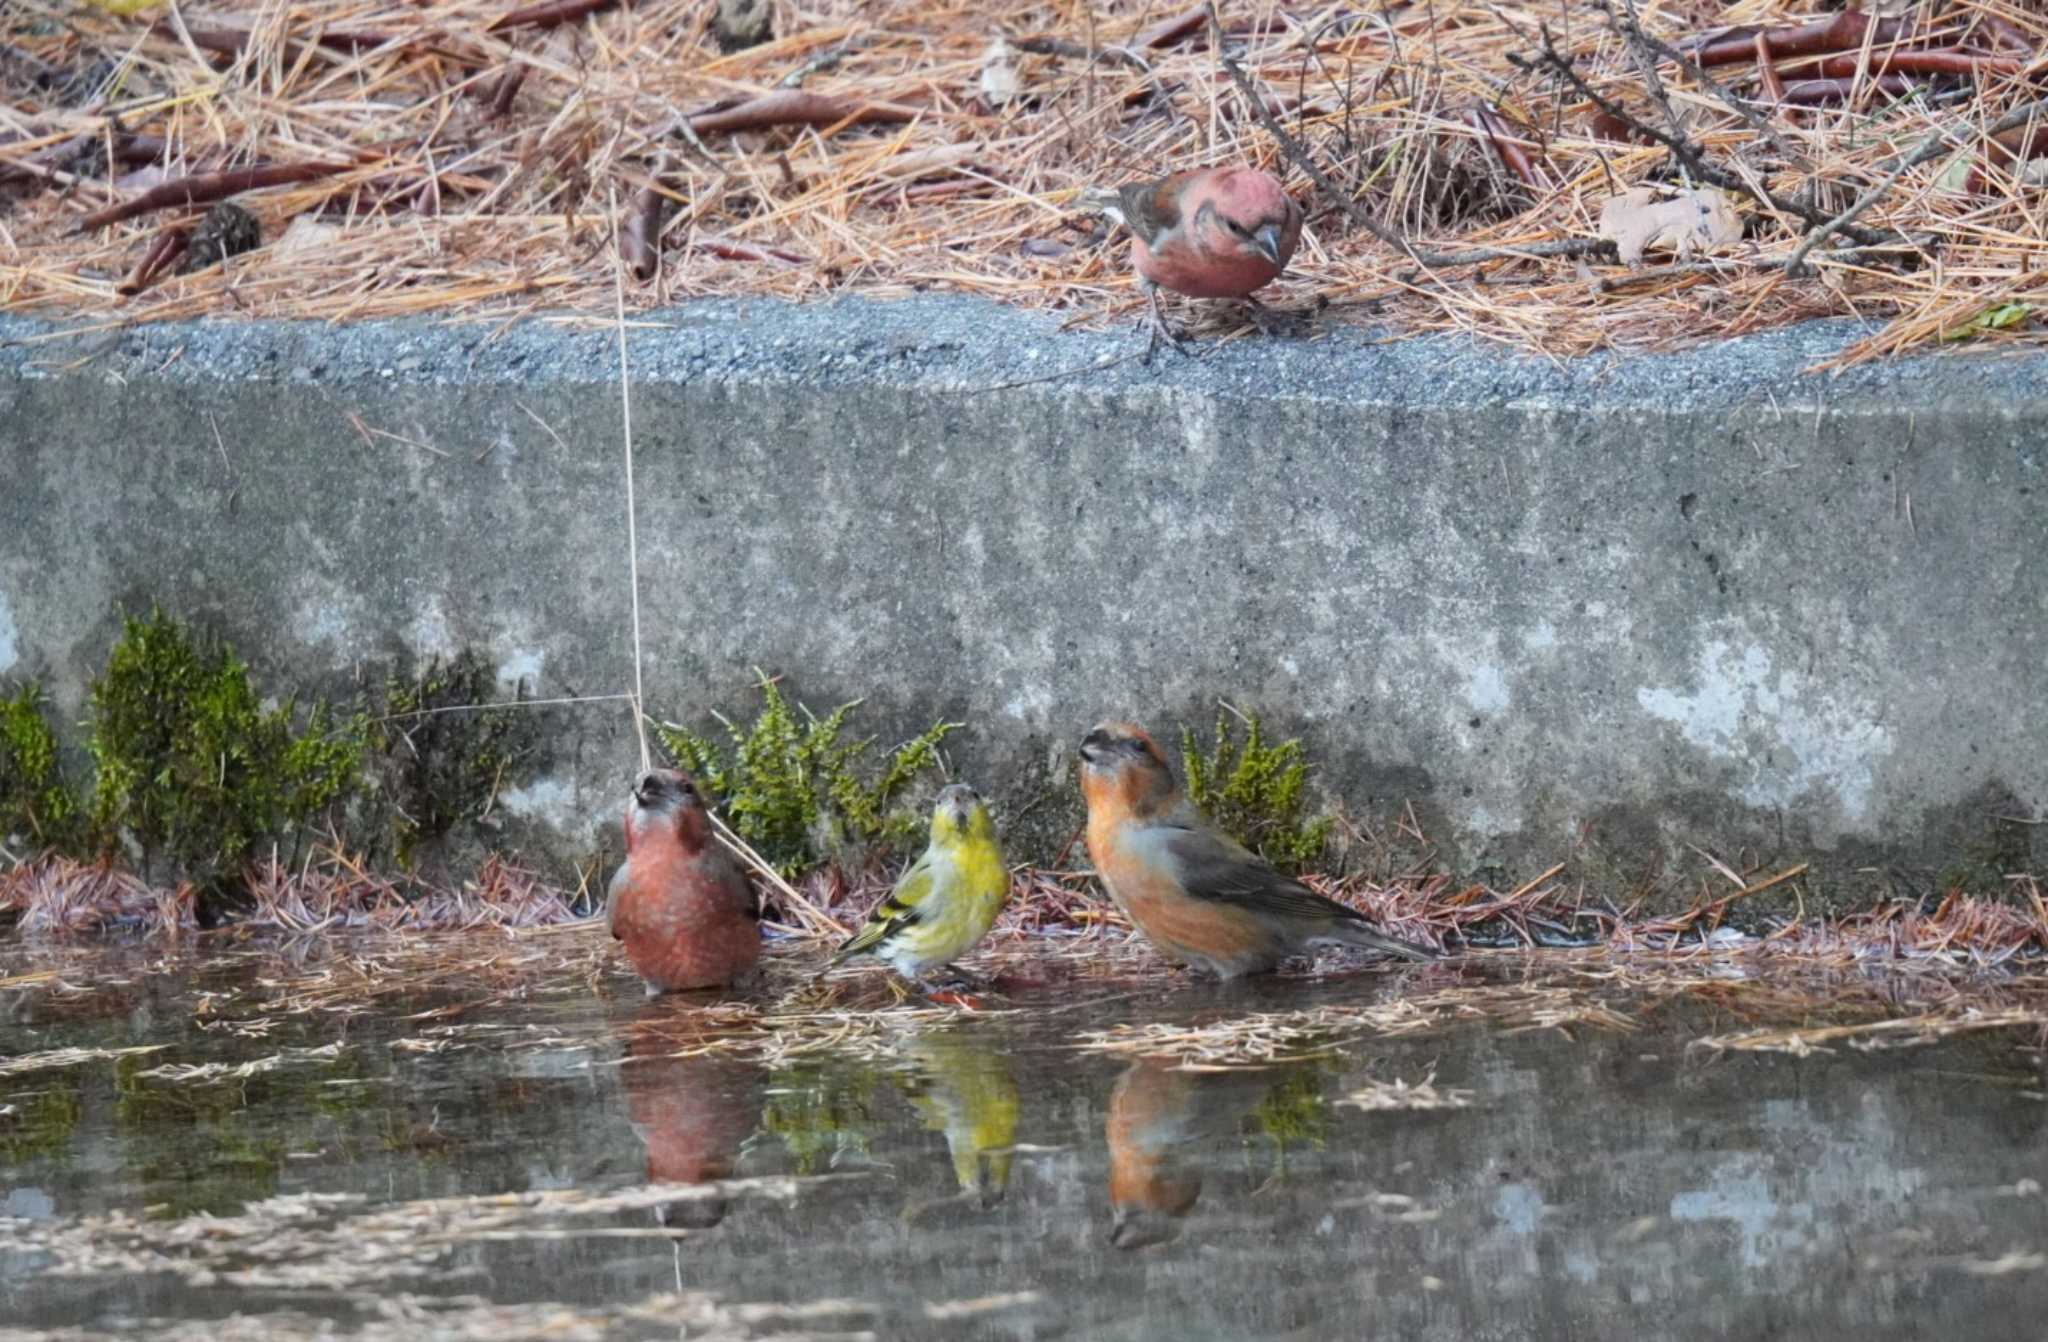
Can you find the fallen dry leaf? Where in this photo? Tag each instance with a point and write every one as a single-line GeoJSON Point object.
{"type": "Point", "coordinates": [306, 236]}
{"type": "Point", "coordinates": [1694, 221]}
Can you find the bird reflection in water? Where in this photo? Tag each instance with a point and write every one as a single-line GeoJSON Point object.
{"type": "Point", "coordinates": [967, 1091]}
{"type": "Point", "coordinates": [1163, 1130]}
{"type": "Point", "coordinates": [692, 1113]}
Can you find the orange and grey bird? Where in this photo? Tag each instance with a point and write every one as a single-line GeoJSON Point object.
{"type": "Point", "coordinates": [678, 904]}
{"type": "Point", "coordinates": [1200, 896]}
{"type": "Point", "coordinates": [1161, 1130]}
{"type": "Point", "coordinates": [1216, 233]}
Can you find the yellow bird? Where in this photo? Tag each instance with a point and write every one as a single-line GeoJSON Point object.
{"type": "Point", "coordinates": [947, 900]}
{"type": "Point", "coordinates": [968, 1092]}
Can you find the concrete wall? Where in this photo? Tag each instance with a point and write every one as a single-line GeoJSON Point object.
{"type": "Point", "coordinates": [1595, 613]}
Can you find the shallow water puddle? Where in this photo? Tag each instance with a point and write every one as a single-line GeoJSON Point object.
{"type": "Point", "coordinates": [499, 1139]}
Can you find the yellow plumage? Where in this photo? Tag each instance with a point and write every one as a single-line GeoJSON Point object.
{"type": "Point", "coordinates": [949, 897]}
{"type": "Point", "coordinates": [968, 1092]}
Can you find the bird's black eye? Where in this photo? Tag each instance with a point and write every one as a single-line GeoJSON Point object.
{"type": "Point", "coordinates": [1238, 228]}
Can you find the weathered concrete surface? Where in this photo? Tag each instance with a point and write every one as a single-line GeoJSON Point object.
{"type": "Point", "coordinates": [1600, 614]}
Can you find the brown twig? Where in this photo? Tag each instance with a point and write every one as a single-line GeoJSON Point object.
{"type": "Point", "coordinates": [1632, 29]}
{"type": "Point", "coordinates": [793, 107]}
{"type": "Point", "coordinates": [1845, 31]}
{"type": "Point", "coordinates": [1687, 153]}
{"type": "Point", "coordinates": [1933, 147]}
{"type": "Point", "coordinates": [552, 14]}
{"type": "Point", "coordinates": [165, 248]}
{"type": "Point", "coordinates": [234, 41]}
{"type": "Point", "coordinates": [1173, 31]}
{"type": "Point", "coordinates": [207, 187]}
{"type": "Point", "coordinates": [1824, 92]}
{"type": "Point", "coordinates": [640, 240]}
{"type": "Point", "coordinates": [1514, 156]}
{"type": "Point", "coordinates": [1919, 61]}
{"type": "Point", "coordinates": [731, 249]}
{"type": "Point", "coordinates": [1074, 51]}
{"type": "Point", "coordinates": [507, 89]}
{"type": "Point", "coordinates": [1479, 256]}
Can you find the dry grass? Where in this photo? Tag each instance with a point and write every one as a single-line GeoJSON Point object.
{"type": "Point", "coordinates": [1804, 992]}
{"type": "Point", "coordinates": [425, 164]}
{"type": "Point", "coordinates": [1058, 915]}
{"type": "Point", "coordinates": [59, 895]}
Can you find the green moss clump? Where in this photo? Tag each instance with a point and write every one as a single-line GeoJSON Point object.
{"type": "Point", "coordinates": [791, 786]}
{"type": "Point", "coordinates": [1255, 791]}
{"type": "Point", "coordinates": [193, 767]}
{"type": "Point", "coordinates": [34, 802]}
{"type": "Point", "coordinates": [444, 752]}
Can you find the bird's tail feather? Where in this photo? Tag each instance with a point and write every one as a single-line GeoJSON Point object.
{"type": "Point", "coordinates": [1109, 203]}
{"type": "Point", "coordinates": [1358, 934]}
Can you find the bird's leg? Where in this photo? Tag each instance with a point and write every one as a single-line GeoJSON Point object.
{"type": "Point", "coordinates": [1159, 328]}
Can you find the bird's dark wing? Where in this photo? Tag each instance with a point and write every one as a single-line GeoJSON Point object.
{"type": "Point", "coordinates": [904, 906]}
{"type": "Point", "coordinates": [1215, 866]}
{"type": "Point", "coordinates": [1151, 208]}
{"type": "Point", "coordinates": [611, 901]}
{"type": "Point", "coordinates": [719, 866]}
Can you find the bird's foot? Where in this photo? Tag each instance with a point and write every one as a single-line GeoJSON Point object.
{"type": "Point", "coordinates": [1274, 322]}
{"type": "Point", "coordinates": [952, 976]}
{"type": "Point", "coordinates": [1159, 331]}
{"type": "Point", "coordinates": [954, 986]}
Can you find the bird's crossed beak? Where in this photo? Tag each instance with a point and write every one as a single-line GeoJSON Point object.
{"type": "Point", "coordinates": [1267, 239]}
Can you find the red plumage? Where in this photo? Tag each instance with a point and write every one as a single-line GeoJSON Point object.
{"type": "Point", "coordinates": [678, 904]}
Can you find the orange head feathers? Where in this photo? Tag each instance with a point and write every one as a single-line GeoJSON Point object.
{"type": "Point", "coordinates": [1124, 775]}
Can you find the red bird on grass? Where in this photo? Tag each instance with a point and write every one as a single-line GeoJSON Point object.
{"type": "Point", "coordinates": [1215, 233]}
{"type": "Point", "coordinates": [678, 904]}
{"type": "Point", "coordinates": [1200, 896]}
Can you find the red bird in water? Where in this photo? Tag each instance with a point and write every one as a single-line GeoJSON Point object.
{"type": "Point", "coordinates": [693, 1114]}
{"type": "Point", "coordinates": [1217, 233]}
{"type": "Point", "coordinates": [678, 904]}
{"type": "Point", "coordinates": [1199, 895]}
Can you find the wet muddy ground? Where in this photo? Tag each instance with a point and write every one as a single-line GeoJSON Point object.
{"type": "Point", "coordinates": [499, 1138]}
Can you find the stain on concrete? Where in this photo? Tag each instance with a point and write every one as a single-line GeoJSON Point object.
{"type": "Point", "coordinates": [1787, 735]}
